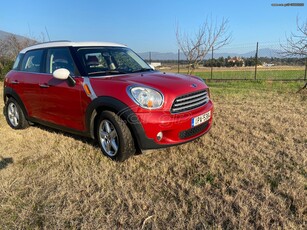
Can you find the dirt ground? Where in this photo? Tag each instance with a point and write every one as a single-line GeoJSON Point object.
{"type": "Point", "coordinates": [249, 171]}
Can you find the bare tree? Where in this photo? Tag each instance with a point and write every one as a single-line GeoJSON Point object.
{"type": "Point", "coordinates": [11, 45]}
{"type": "Point", "coordinates": [297, 43]}
{"type": "Point", "coordinates": [196, 47]}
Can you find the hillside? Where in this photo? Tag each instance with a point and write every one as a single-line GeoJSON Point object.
{"type": "Point", "coordinates": [4, 34]}
{"type": "Point", "coordinates": [265, 52]}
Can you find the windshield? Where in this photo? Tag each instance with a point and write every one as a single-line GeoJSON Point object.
{"type": "Point", "coordinates": [110, 60]}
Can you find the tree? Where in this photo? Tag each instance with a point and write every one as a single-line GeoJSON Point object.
{"type": "Point", "coordinates": [11, 45]}
{"type": "Point", "coordinates": [297, 43]}
{"type": "Point", "coordinates": [196, 47]}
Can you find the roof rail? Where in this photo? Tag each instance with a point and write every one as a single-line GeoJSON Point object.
{"type": "Point", "coordinates": [65, 43]}
{"type": "Point", "coordinates": [39, 43]}
{"type": "Point", "coordinates": [52, 42]}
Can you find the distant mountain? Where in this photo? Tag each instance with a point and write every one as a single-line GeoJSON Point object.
{"type": "Point", "coordinates": [4, 34]}
{"type": "Point", "coordinates": [160, 56]}
{"type": "Point", "coordinates": [265, 52]}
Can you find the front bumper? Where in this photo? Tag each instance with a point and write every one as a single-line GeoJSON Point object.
{"type": "Point", "coordinates": [176, 128]}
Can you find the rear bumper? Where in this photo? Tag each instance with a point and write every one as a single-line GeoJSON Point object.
{"type": "Point", "coordinates": [176, 128]}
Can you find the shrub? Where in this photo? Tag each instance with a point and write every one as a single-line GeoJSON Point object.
{"type": "Point", "coordinates": [5, 66]}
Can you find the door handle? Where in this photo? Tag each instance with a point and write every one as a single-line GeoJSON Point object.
{"type": "Point", "coordinates": [15, 82]}
{"type": "Point", "coordinates": [43, 85]}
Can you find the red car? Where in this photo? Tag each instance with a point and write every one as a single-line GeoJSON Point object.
{"type": "Point", "coordinates": [107, 92]}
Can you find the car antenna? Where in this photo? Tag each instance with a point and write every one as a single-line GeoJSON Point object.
{"type": "Point", "coordinates": [47, 33]}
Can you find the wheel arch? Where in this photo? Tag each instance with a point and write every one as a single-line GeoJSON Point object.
{"type": "Point", "coordinates": [119, 108]}
{"type": "Point", "coordinates": [8, 93]}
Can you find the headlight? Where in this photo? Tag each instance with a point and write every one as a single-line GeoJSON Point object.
{"type": "Point", "coordinates": [145, 97]}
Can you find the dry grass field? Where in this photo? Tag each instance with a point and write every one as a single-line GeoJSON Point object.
{"type": "Point", "coordinates": [248, 172]}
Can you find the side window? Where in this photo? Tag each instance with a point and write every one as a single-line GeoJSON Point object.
{"type": "Point", "coordinates": [17, 62]}
{"type": "Point", "coordinates": [59, 58]}
{"type": "Point", "coordinates": [32, 61]}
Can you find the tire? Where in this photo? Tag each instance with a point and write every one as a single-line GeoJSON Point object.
{"type": "Point", "coordinates": [114, 137]}
{"type": "Point", "coordinates": [14, 115]}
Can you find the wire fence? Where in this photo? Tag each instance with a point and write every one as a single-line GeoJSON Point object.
{"type": "Point", "coordinates": [260, 61]}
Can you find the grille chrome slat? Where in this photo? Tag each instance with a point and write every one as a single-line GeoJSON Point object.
{"type": "Point", "coordinates": [190, 97]}
{"type": "Point", "coordinates": [189, 106]}
{"type": "Point", "coordinates": [190, 101]}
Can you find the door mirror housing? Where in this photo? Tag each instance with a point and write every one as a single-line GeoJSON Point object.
{"type": "Point", "coordinates": [61, 74]}
{"type": "Point", "coordinates": [64, 74]}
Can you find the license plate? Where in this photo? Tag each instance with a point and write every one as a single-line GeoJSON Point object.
{"type": "Point", "coordinates": [201, 119]}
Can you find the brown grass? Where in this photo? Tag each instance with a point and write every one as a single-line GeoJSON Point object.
{"type": "Point", "coordinates": [248, 172]}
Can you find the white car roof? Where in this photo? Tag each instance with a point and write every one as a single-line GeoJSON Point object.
{"type": "Point", "coordinates": [70, 44]}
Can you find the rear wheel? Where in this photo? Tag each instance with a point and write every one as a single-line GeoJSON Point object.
{"type": "Point", "coordinates": [14, 115]}
{"type": "Point", "coordinates": [114, 137]}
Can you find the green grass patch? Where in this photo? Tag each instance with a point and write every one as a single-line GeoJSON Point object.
{"type": "Point", "coordinates": [248, 86]}
{"type": "Point", "coordinates": [250, 74]}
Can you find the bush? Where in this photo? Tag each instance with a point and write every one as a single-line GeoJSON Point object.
{"type": "Point", "coordinates": [5, 66]}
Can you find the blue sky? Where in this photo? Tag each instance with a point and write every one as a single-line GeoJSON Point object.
{"type": "Point", "coordinates": [148, 25]}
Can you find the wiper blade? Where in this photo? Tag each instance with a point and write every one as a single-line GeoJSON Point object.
{"type": "Point", "coordinates": [141, 70]}
{"type": "Point", "coordinates": [114, 72]}
{"type": "Point", "coordinates": [107, 72]}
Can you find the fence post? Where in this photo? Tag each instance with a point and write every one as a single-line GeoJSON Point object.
{"type": "Point", "coordinates": [212, 64]}
{"type": "Point", "coordinates": [305, 68]}
{"type": "Point", "coordinates": [256, 62]}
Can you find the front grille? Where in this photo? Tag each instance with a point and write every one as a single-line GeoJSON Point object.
{"type": "Point", "coordinates": [193, 131]}
{"type": "Point", "coordinates": [190, 101]}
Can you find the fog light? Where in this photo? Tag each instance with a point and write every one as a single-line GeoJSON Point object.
{"type": "Point", "coordinates": [159, 136]}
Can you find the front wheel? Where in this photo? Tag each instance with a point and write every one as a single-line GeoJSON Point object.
{"type": "Point", "coordinates": [14, 115]}
{"type": "Point", "coordinates": [114, 137]}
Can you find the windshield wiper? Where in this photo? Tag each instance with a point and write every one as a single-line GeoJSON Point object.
{"type": "Point", "coordinates": [142, 70]}
{"type": "Point", "coordinates": [107, 72]}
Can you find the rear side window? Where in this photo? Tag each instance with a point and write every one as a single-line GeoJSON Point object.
{"type": "Point", "coordinates": [32, 61]}
{"type": "Point", "coordinates": [17, 62]}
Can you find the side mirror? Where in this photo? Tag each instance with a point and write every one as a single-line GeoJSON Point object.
{"type": "Point", "coordinates": [64, 74]}
{"type": "Point", "coordinates": [61, 74]}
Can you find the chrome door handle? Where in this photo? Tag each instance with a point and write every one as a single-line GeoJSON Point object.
{"type": "Point", "coordinates": [43, 85]}
{"type": "Point", "coordinates": [15, 82]}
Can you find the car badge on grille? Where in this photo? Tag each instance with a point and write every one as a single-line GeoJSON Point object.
{"type": "Point", "coordinates": [193, 85]}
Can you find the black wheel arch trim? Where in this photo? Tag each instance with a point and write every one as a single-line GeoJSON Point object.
{"type": "Point", "coordinates": [125, 113]}
{"type": "Point", "coordinates": [11, 92]}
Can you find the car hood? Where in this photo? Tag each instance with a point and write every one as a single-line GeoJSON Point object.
{"type": "Point", "coordinates": [170, 83]}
